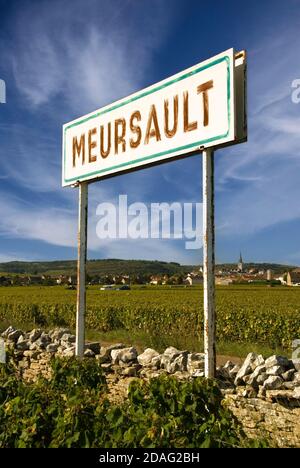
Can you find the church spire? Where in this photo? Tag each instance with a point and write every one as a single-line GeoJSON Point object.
{"type": "Point", "coordinates": [240, 264]}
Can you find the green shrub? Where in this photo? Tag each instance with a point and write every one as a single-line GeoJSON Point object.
{"type": "Point", "coordinates": [71, 410]}
{"type": "Point", "coordinates": [168, 413]}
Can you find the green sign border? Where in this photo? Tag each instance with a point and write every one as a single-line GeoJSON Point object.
{"type": "Point", "coordinates": [146, 93]}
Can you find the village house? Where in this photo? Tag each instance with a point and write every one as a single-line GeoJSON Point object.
{"type": "Point", "coordinates": [121, 279]}
{"type": "Point", "coordinates": [34, 279]}
{"type": "Point", "coordinates": [155, 280]}
{"type": "Point", "coordinates": [72, 280]}
{"type": "Point", "coordinates": [293, 277]}
{"type": "Point", "coordinates": [117, 279]}
{"type": "Point", "coordinates": [221, 281]}
{"type": "Point", "coordinates": [62, 280]}
{"type": "Point", "coordinates": [125, 279]}
{"type": "Point", "coordinates": [281, 278]}
{"type": "Point", "coordinates": [193, 279]}
{"type": "Point", "coordinates": [67, 280]}
{"type": "Point", "coordinates": [253, 271]}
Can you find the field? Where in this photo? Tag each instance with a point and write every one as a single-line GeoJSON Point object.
{"type": "Point", "coordinates": [248, 317]}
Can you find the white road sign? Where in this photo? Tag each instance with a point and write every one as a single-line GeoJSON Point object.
{"type": "Point", "coordinates": [200, 107]}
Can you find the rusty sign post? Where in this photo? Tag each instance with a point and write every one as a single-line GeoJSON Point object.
{"type": "Point", "coordinates": [81, 268]}
{"type": "Point", "coordinates": [209, 262]}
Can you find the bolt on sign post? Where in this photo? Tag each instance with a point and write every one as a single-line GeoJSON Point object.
{"type": "Point", "coordinates": [197, 110]}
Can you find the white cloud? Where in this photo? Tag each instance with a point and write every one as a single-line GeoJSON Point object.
{"type": "Point", "coordinates": [27, 221]}
{"type": "Point", "coordinates": [74, 57]}
{"type": "Point", "coordinates": [58, 226]}
{"type": "Point", "coordinates": [63, 65]}
{"type": "Point", "coordinates": [87, 56]}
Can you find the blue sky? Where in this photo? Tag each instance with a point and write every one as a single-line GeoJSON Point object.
{"type": "Point", "coordinates": [61, 59]}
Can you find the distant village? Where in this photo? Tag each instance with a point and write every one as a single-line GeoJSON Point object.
{"type": "Point", "coordinates": [237, 275]}
{"type": "Point", "coordinates": [223, 277]}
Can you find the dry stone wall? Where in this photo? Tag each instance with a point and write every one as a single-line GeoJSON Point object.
{"type": "Point", "coordinates": [263, 394]}
{"type": "Point", "coordinates": [275, 418]}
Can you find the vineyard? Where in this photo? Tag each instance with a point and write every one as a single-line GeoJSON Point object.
{"type": "Point", "coordinates": [244, 313]}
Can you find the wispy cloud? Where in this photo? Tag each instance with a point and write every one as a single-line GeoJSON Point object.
{"type": "Point", "coordinates": [64, 65]}
{"type": "Point", "coordinates": [85, 57]}
{"type": "Point", "coordinates": [58, 226]}
{"type": "Point", "coordinates": [27, 221]}
{"type": "Point", "coordinates": [73, 57]}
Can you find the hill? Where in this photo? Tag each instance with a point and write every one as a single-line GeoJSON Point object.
{"type": "Point", "coordinates": [122, 267]}
{"type": "Point", "coordinates": [96, 267]}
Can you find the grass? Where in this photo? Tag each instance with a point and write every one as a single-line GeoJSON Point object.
{"type": "Point", "coordinates": [141, 341]}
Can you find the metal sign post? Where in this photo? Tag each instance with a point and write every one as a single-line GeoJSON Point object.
{"type": "Point", "coordinates": [209, 263]}
{"type": "Point", "coordinates": [203, 106]}
{"type": "Point", "coordinates": [81, 268]}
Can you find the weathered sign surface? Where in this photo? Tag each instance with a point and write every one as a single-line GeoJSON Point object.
{"type": "Point", "coordinates": [196, 108]}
